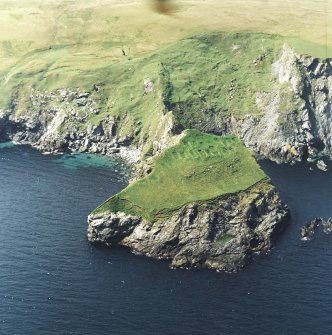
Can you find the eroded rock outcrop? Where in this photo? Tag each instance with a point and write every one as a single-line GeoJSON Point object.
{"type": "Point", "coordinates": [61, 122]}
{"type": "Point", "coordinates": [221, 234]}
{"type": "Point", "coordinates": [70, 121]}
{"type": "Point", "coordinates": [309, 229]}
{"type": "Point", "coordinates": [296, 121]}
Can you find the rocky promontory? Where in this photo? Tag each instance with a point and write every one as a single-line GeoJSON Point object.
{"type": "Point", "coordinates": [221, 234]}
{"type": "Point", "coordinates": [210, 209]}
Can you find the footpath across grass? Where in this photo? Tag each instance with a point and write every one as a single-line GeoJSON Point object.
{"type": "Point", "coordinates": [199, 168]}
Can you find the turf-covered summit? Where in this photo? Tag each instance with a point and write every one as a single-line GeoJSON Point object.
{"type": "Point", "coordinates": [201, 167]}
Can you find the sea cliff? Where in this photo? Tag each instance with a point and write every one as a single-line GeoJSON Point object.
{"type": "Point", "coordinates": [221, 234]}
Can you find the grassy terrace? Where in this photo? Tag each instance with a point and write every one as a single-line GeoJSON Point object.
{"type": "Point", "coordinates": [199, 168]}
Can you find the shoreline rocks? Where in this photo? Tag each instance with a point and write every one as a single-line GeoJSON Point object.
{"type": "Point", "coordinates": [321, 165]}
{"type": "Point", "coordinates": [309, 229]}
{"type": "Point", "coordinates": [58, 123]}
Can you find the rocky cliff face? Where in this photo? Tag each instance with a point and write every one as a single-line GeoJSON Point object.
{"type": "Point", "coordinates": [71, 121]}
{"type": "Point", "coordinates": [296, 121]}
{"type": "Point", "coordinates": [221, 234]}
{"type": "Point", "coordinates": [60, 121]}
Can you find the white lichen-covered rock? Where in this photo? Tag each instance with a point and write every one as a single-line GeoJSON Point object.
{"type": "Point", "coordinates": [296, 120]}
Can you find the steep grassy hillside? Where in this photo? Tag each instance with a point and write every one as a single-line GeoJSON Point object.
{"type": "Point", "coordinates": [200, 78]}
{"type": "Point", "coordinates": [199, 168]}
{"type": "Point", "coordinates": [211, 76]}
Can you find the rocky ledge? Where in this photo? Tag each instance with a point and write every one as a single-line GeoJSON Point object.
{"type": "Point", "coordinates": [221, 234]}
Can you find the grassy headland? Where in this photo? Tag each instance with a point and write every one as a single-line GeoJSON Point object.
{"type": "Point", "coordinates": [199, 78]}
{"type": "Point", "coordinates": [50, 45]}
{"type": "Point", "coordinates": [199, 168]}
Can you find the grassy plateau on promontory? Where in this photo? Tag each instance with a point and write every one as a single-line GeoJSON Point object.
{"type": "Point", "coordinates": [200, 168]}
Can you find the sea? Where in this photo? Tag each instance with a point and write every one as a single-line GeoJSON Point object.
{"type": "Point", "coordinates": [52, 281]}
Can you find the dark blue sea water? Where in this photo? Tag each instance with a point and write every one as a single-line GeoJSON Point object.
{"type": "Point", "coordinates": [52, 281]}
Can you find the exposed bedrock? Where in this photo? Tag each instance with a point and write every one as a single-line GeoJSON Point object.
{"type": "Point", "coordinates": [309, 229]}
{"type": "Point", "coordinates": [221, 234]}
{"type": "Point", "coordinates": [297, 119]}
{"type": "Point", "coordinates": [58, 122]}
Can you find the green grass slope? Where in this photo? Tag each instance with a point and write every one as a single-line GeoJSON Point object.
{"type": "Point", "coordinates": [199, 78]}
{"type": "Point", "coordinates": [217, 75]}
{"type": "Point", "coordinates": [199, 168]}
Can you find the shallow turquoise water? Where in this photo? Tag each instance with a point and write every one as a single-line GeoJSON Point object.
{"type": "Point", "coordinates": [6, 145]}
{"type": "Point", "coordinates": [83, 160]}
